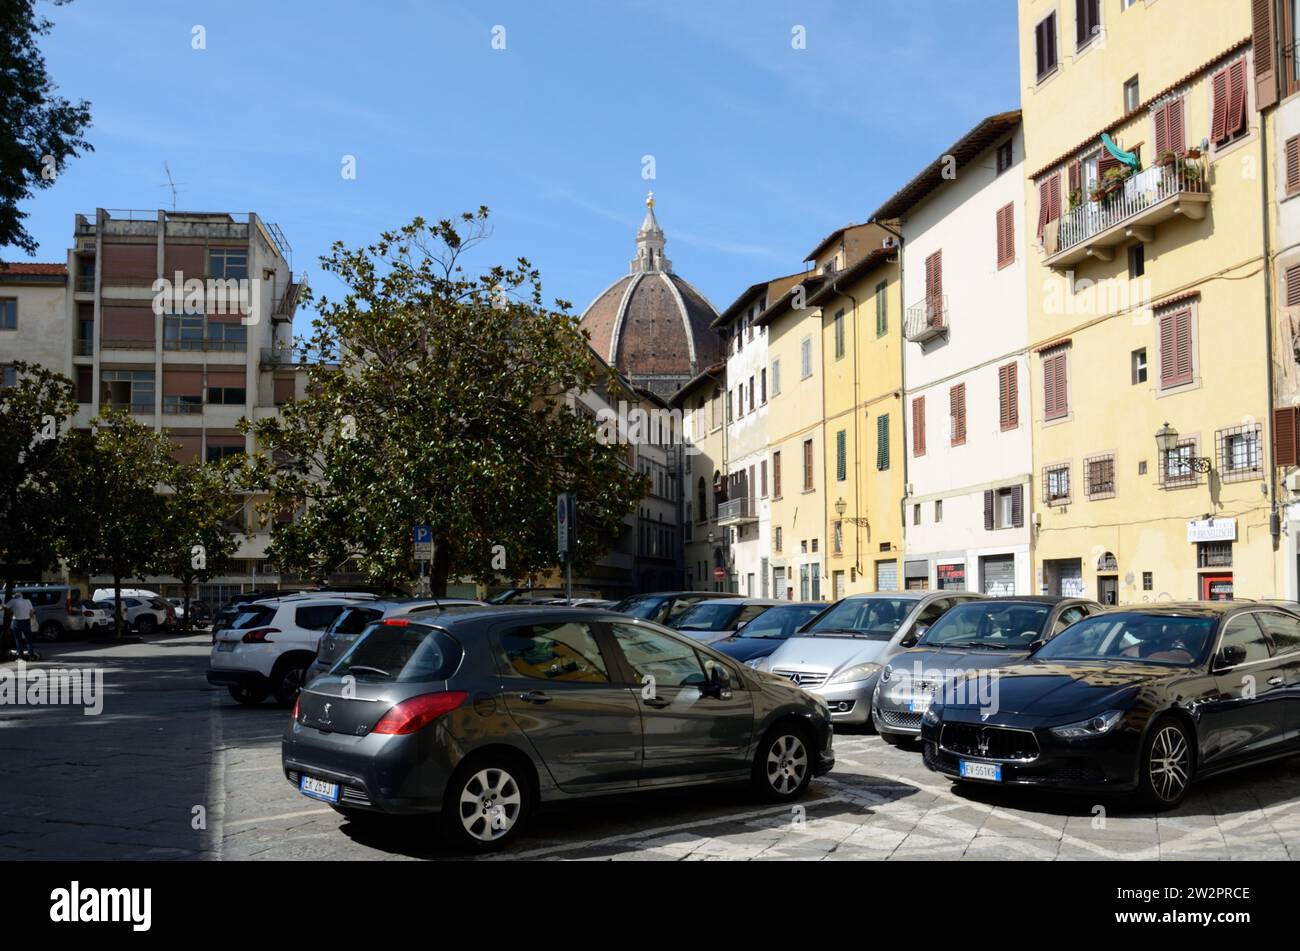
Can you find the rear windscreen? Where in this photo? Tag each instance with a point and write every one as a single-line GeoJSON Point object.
{"type": "Point", "coordinates": [251, 616]}
{"type": "Point", "coordinates": [354, 620]}
{"type": "Point", "coordinates": [401, 653]}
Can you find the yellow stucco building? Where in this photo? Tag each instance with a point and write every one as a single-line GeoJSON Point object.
{"type": "Point", "coordinates": [1148, 322]}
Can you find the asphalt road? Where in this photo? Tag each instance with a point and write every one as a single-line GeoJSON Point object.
{"type": "Point", "coordinates": [174, 769]}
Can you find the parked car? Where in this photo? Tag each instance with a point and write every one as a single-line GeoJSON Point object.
{"type": "Point", "coordinates": [664, 607]}
{"type": "Point", "coordinates": [537, 595]}
{"type": "Point", "coordinates": [57, 610]}
{"type": "Point", "coordinates": [579, 602]}
{"type": "Point", "coordinates": [1145, 699]}
{"type": "Point", "coordinates": [717, 618]}
{"type": "Point", "coordinates": [270, 645]}
{"type": "Point", "coordinates": [481, 716]}
{"type": "Point", "coordinates": [199, 609]}
{"type": "Point", "coordinates": [106, 594]}
{"type": "Point", "coordinates": [973, 636]}
{"type": "Point", "coordinates": [355, 618]}
{"type": "Point", "coordinates": [839, 656]}
{"type": "Point", "coordinates": [232, 608]}
{"type": "Point", "coordinates": [145, 615]}
{"type": "Point", "coordinates": [764, 634]}
{"type": "Point", "coordinates": [98, 615]}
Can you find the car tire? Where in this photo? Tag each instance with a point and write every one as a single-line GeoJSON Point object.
{"type": "Point", "coordinates": [146, 625]}
{"type": "Point", "coordinates": [287, 680]}
{"type": "Point", "coordinates": [488, 800]}
{"type": "Point", "coordinates": [50, 631]}
{"type": "Point", "coordinates": [1166, 764]}
{"type": "Point", "coordinates": [896, 739]}
{"type": "Point", "coordinates": [247, 696]}
{"type": "Point", "coordinates": [783, 764]}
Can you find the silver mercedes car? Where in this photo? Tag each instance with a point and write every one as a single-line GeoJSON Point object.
{"type": "Point", "coordinates": [838, 656]}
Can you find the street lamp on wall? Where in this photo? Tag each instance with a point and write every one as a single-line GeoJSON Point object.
{"type": "Point", "coordinates": [1167, 443]}
{"type": "Point", "coordinates": [841, 507]}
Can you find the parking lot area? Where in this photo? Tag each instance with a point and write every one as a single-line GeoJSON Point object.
{"type": "Point", "coordinates": [172, 768]}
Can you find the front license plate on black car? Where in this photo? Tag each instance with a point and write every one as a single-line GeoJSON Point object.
{"type": "Point", "coordinates": [987, 771]}
{"type": "Point", "coordinates": [319, 789]}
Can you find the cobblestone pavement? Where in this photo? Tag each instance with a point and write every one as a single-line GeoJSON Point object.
{"type": "Point", "coordinates": [174, 769]}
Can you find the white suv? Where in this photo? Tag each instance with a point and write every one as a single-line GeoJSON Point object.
{"type": "Point", "coordinates": [270, 644]}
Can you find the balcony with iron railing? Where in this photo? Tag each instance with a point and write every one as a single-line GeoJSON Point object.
{"type": "Point", "coordinates": [83, 348]}
{"type": "Point", "coordinates": [926, 320]}
{"type": "Point", "coordinates": [736, 512]}
{"type": "Point", "coordinates": [138, 409]}
{"type": "Point", "coordinates": [278, 357]}
{"type": "Point", "coordinates": [1130, 210]}
{"type": "Point", "coordinates": [207, 345]}
{"type": "Point", "coordinates": [84, 284]}
{"type": "Point", "coordinates": [126, 343]}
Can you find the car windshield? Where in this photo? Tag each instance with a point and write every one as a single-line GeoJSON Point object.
{"type": "Point", "coordinates": [992, 625]}
{"type": "Point", "coordinates": [401, 652]}
{"type": "Point", "coordinates": [780, 622]}
{"type": "Point", "coordinates": [642, 607]}
{"type": "Point", "coordinates": [878, 618]}
{"type": "Point", "coordinates": [353, 620]}
{"type": "Point", "coordinates": [250, 617]}
{"type": "Point", "coordinates": [708, 616]}
{"type": "Point", "coordinates": [1144, 638]}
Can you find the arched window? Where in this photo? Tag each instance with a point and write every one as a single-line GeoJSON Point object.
{"type": "Point", "coordinates": [703, 493]}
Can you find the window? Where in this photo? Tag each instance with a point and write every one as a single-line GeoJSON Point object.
{"type": "Point", "coordinates": [1292, 152]}
{"type": "Point", "coordinates": [762, 477]}
{"type": "Point", "coordinates": [567, 653]}
{"type": "Point", "coordinates": [188, 405]}
{"type": "Point", "coordinates": [839, 336]}
{"type": "Point", "coordinates": [918, 426]}
{"type": "Point", "coordinates": [957, 414]}
{"type": "Point", "coordinates": [841, 457]}
{"type": "Point", "coordinates": [778, 539]}
{"type": "Point", "coordinates": [1056, 484]}
{"type": "Point", "coordinates": [1171, 134]}
{"type": "Point", "coordinates": [1132, 95]}
{"type": "Point", "coordinates": [227, 338]}
{"type": "Point", "coordinates": [227, 395]}
{"type": "Point", "coordinates": [1214, 554]}
{"type": "Point", "coordinates": [1087, 21]}
{"type": "Point", "coordinates": [1148, 581]}
{"type": "Point", "coordinates": [1045, 46]}
{"type": "Point", "coordinates": [1056, 383]}
{"type": "Point", "coordinates": [1228, 95]}
{"type": "Point", "coordinates": [183, 332]}
{"type": "Point", "coordinates": [1176, 357]}
{"type": "Point", "coordinates": [934, 309]}
{"type": "Point", "coordinates": [218, 453]}
{"type": "Point", "coordinates": [837, 537]}
{"type": "Point", "coordinates": [916, 514]}
{"type": "Point", "coordinates": [1004, 508]}
{"type": "Point", "coordinates": [740, 400]}
{"type": "Point", "coordinates": [882, 308]}
{"type": "Point", "coordinates": [1099, 476]}
{"type": "Point", "coordinates": [1137, 261]}
{"type": "Point", "coordinates": [762, 386]}
{"type": "Point", "coordinates": [1237, 453]}
{"type": "Point", "coordinates": [1008, 396]}
{"type": "Point", "coordinates": [230, 263]}
{"type": "Point", "coordinates": [317, 617]}
{"type": "Point", "coordinates": [807, 465]}
{"type": "Point", "coordinates": [1138, 365]}
{"type": "Point", "coordinates": [805, 358]}
{"type": "Point", "coordinates": [938, 510]}
{"type": "Point", "coordinates": [670, 662]}
{"type": "Point", "coordinates": [776, 377]}
{"type": "Point", "coordinates": [1176, 466]}
{"type": "Point", "coordinates": [1282, 628]}
{"type": "Point", "coordinates": [730, 408]}
{"type": "Point", "coordinates": [131, 390]}
{"type": "Point", "coordinates": [882, 442]}
{"type": "Point", "coordinates": [8, 313]}
{"type": "Point", "coordinates": [1005, 156]}
{"type": "Point", "coordinates": [1006, 235]}
{"type": "Point", "coordinates": [1049, 203]}
{"type": "Point", "coordinates": [776, 474]}
{"type": "Point", "coordinates": [751, 394]}
{"type": "Point", "coordinates": [1242, 632]}
{"type": "Point", "coordinates": [8, 375]}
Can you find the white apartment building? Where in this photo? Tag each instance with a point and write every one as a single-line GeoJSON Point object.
{"type": "Point", "coordinates": [34, 318]}
{"type": "Point", "coordinates": [966, 510]}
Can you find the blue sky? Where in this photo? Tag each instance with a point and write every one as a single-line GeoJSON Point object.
{"type": "Point", "coordinates": [760, 149]}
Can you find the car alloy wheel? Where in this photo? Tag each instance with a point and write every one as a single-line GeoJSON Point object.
{"type": "Point", "coordinates": [1169, 763]}
{"type": "Point", "coordinates": [146, 625]}
{"type": "Point", "coordinates": [50, 631]}
{"type": "Point", "coordinates": [290, 683]}
{"type": "Point", "coordinates": [491, 802]}
{"type": "Point", "coordinates": [787, 764]}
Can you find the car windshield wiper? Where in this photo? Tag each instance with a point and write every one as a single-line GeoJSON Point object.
{"type": "Point", "coordinates": [835, 630]}
{"type": "Point", "coordinates": [372, 670]}
{"type": "Point", "coordinates": [982, 644]}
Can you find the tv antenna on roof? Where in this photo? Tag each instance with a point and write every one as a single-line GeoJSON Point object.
{"type": "Point", "coordinates": [170, 184]}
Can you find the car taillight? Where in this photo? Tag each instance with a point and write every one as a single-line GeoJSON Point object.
{"type": "Point", "coordinates": [259, 635]}
{"type": "Point", "coordinates": [87, 613]}
{"type": "Point", "coordinates": [296, 700]}
{"type": "Point", "coordinates": [397, 621]}
{"type": "Point", "coordinates": [410, 715]}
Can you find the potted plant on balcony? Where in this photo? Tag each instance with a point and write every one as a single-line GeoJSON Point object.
{"type": "Point", "coordinates": [1076, 198]}
{"type": "Point", "coordinates": [1168, 158]}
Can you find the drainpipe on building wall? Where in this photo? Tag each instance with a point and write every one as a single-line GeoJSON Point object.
{"type": "Point", "coordinates": [1274, 521]}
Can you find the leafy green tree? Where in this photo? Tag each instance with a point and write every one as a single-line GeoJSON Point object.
{"type": "Point", "coordinates": [39, 130]}
{"type": "Point", "coordinates": [198, 540]}
{"type": "Point", "coordinates": [33, 417]}
{"type": "Point", "coordinates": [114, 474]}
{"type": "Point", "coordinates": [440, 398]}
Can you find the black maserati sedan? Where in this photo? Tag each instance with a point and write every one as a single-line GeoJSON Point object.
{"type": "Point", "coordinates": [1142, 700]}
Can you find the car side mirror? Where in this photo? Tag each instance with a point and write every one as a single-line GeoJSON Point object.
{"type": "Point", "coordinates": [1034, 645]}
{"type": "Point", "coordinates": [912, 637]}
{"type": "Point", "coordinates": [719, 684]}
{"type": "Point", "coordinates": [1231, 655]}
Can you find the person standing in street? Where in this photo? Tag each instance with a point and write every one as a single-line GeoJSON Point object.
{"type": "Point", "coordinates": [21, 610]}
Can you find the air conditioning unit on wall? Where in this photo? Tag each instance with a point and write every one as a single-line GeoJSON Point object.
{"type": "Point", "coordinates": [1293, 481]}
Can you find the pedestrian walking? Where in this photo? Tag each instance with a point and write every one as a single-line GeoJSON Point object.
{"type": "Point", "coordinates": [21, 611]}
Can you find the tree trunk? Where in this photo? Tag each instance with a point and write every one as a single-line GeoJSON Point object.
{"type": "Point", "coordinates": [188, 625]}
{"type": "Point", "coordinates": [5, 637]}
{"type": "Point", "coordinates": [117, 607]}
{"type": "Point", "coordinates": [439, 568]}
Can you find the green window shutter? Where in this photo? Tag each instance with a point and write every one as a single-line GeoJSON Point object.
{"type": "Point", "coordinates": [839, 335]}
{"type": "Point", "coordinates": [841, 457]}
{"type": "Point", "coordinates": [882, 310]}
{"type": "Point", "coordinates": [882, 442]}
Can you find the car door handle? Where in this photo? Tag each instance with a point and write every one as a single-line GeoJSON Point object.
{"type": "Point", "coordinates": [657, 702]}
{"type": "Point", "coordinates": [535, 696]}
{"type": "Point", "coordinates": [1275, 681]}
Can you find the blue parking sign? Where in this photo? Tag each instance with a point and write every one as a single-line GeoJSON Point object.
{"type": "Point", "coordinates": [422, 534]}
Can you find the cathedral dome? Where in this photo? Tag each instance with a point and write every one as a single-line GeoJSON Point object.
{"type": "Point", "coordinates": [651, 324]}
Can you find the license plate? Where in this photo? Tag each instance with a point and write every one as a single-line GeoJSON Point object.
{"type": "Point", "coordinates": [226, 645]}
{"type": "Point", "coordinates": [988, 771]}
{"type": "Point", "coordinates": [319, 789]}
{"type": "Point", "coordinates": [918, 704]}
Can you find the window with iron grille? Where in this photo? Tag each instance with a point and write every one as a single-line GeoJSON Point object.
{"type": "Point", "coordinates": [838, 537]}
{"type": "Point", "coordinates": [1148, 581]}
{"type": "Point", "coordinates": [1176, 468]}
{"type": "Point", "coordinates": [1214, 555]}
{"type": "Point", "coordinates": [1056, 484]}
{"type": "Point", "coordinates": [777, 539]}
{"type": "Point", "coordinates": [1099, 476]}
{"type": "Point", "coordinates": [1237, 453]}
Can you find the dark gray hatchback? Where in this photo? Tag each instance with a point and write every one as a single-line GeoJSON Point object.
{"type": "Point", "coordinates": [480, 716]}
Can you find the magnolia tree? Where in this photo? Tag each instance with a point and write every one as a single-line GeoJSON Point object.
{"type": "Point", "coordinates": [436, 397]}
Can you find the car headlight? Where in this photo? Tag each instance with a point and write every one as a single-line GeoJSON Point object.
{"type": "Point", "coordinates": [1093, 726]}
{"type": "Point", "coordinates": [931, 715]}
{"type": "Point", "coordinates": [754, 662]}
{"type": "Point", "coordinates": [851, 674]}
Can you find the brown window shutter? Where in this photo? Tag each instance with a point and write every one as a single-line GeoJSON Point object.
{"type": "Point", "coordinates": [1237, 96]}
{"type": "Point", "coordinates": [1105, 162]}
{"type": "Point", "coordinates": [988, 511]}
{"type": "Point", "coordinates": [1076, 176]}
{"type": "Point", "coordinates": [957, 410]}
{"type": "Point", "coordinates": [1293, 286]}
{"type": "Point", "coordinates": [1056, 196]}
{"type": "Point", "coordinates": [918, 426]}
{"type": "Point", "coordinates": [1049, 387]}
{"type": "Point", "coordinates": [776, 473]}
{"type": "Point", "coordinates": [1167, 371]}
{"type": "Point", "coordinates": [1062, 395]}
{"type": "Point", "coordinates": [1219, 92]}
{"type": "Point", "coordinates": [1264, 27]}
{"type": "Point", "coordinates": [934, 286]}
{"type": "Point", "coordinates": [1286, 436]}
{"type": "Point", "coordinates": [1162, 130]}
{"type": "Point", "coordinates": [1176, 348]}
{"type": "Point", "coordinates": [1006, 228]}
{"type": "Point", "coordinates": [1177, 130]}
{"type": "Point", "coordinates": [1044, 205]}
{"type": "Point", "coordinates": [1008, 408]}
{"type": "Point", "coordinates": [1293, 165]}
{"type": "Point", "coordinates": [1017, 506]}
